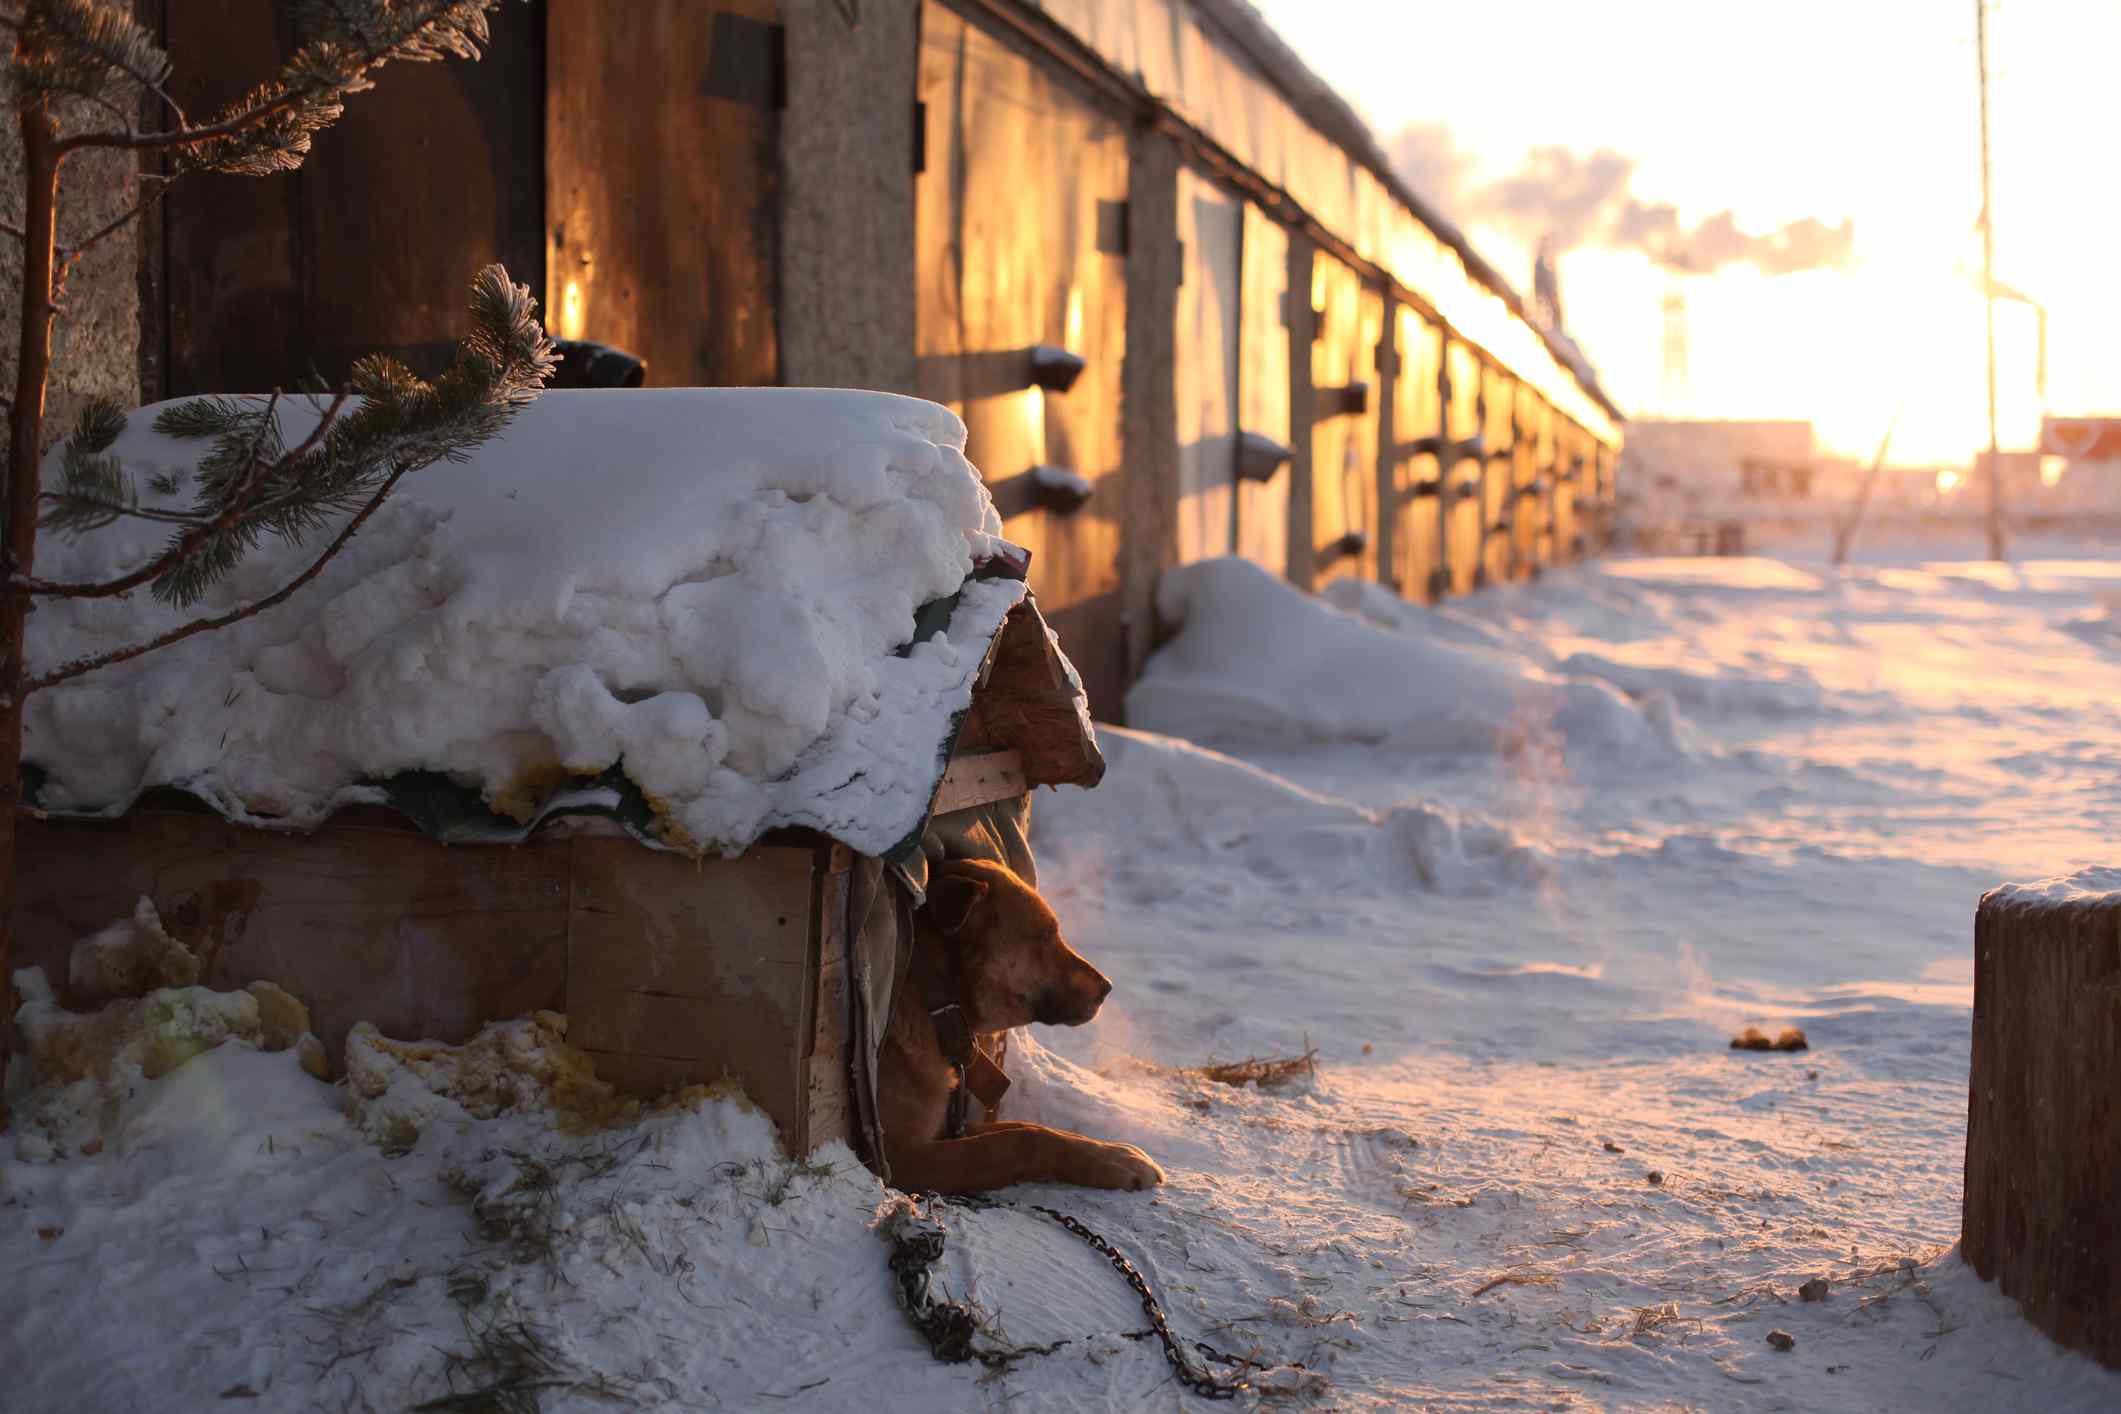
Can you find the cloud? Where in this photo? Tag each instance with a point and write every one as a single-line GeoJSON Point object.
{"type": "Point", "coordinates": [1587, 199]}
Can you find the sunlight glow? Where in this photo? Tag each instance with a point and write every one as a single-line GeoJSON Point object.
{"type": "Point", "coordinates": [572, 317]}
{"type": "Point", "coordinates": [1948, 481]}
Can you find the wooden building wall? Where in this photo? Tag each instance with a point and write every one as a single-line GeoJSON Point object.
{"type": "Point", "coordinates": [371, 247]}
{"type": "Point", "coordinates": [1005, 264]}
{"type": "Point", "coordinates": [621, 160]}
{"type": "Point", "coordinates": [660, 169]}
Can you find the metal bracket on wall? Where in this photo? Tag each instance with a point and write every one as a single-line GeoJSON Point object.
{"type": "Point", "coordinates": [747, 61]}
{"type": "Point", "coordinates": [1060, 489]}
{"type": "Point", "coordinates": [1347, 547]}
{"type": "Point", "coordinates": [1259, 456]}
{"type": "Point", "coordinates": [1054, 368]}
{"type": "Point", "coordinates": [1343, 401]}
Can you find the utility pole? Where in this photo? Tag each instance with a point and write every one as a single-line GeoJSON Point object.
{"type": "Point", "coordinates": [1988, 290]}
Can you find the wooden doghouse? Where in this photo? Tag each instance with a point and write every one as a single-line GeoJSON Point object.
{"type": "Point", "coordinates": [432, 916]}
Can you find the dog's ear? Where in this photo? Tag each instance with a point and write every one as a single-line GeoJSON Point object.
{"type": "Point", "coordinates": [951, 899]}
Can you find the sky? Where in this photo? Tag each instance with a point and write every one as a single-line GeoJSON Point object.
{"type": "Point", "coordinates": [1842, 137]}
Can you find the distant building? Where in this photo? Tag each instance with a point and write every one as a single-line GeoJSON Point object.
{"type": "Point", "coordinates": [1712, 480]}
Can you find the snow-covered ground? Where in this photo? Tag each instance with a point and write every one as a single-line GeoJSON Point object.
{"type": "Point", "coordinates": [1695, 795]}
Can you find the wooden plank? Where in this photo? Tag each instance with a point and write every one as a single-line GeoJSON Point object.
{"type": "Point", "coordinates": [661, 203]}
{"type": "Point", "coordinates": [1263, 384]}
{"type": "Point", "coordinates": [828, 1101]}
{"type": "Point", "coordinates": [362, 924]}
{"type": "Point", "coordinates": [978, 779]}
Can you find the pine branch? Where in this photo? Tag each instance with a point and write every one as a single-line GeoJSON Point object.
{"type": "Point", "coordinates": [104, 512]}
{"type": "Point", "coordinates": [241, 506]}
{"type": "Point", "coordinates": [66, 255]}
{"type": "Point", "coordinates": [249, 487]}
{"type": "Point", "coordinates": [9, 228]}
{"type": "Point", "coordinates": [79, 666]}
{"type": "Point", "coordinates": [269, 130]}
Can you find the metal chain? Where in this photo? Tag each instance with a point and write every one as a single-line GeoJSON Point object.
{"type": "Point", "coordinates": [1200, 1381]}
{"type": "Point", "coordinates": [949, 1327]}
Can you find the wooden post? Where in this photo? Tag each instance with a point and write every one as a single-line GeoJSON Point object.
{"type": "Point", "coordinates": [1148, 392]}
{"type": "Point", "coordinates": [2043, 1136]}
{"type": "Point", "coordinates": [1302, 319]}
{"type": "Point", "coordinates": [1445, 465]}
{"type": "Point", "coordinates": [1388, 494]}
{"type": "Point", "coordinates": [1480, 431]}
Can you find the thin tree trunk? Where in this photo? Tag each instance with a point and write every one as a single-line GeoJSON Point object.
{"type": "Point", "coordinates": [40, 161]}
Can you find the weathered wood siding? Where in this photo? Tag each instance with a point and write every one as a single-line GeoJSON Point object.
{"type": "Point", "coordinates": [371, 246]}
{"type": "Point", "coordinates": [1020, 214]}
{"type": "Point", "coordinates": [660, 173]}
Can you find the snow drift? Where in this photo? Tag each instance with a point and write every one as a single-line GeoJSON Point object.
{"type": "Point", "coordinates": [1335, 677]}
{"type": "Point", "coordinates": [709, 588]}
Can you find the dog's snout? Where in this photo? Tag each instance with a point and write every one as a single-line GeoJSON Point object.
{"type": "Point", "coordinates": [1104, 986]}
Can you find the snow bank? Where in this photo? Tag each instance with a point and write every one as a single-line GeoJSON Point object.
{"type": "Point", "coordinates": [1194, 815]}
{"type": "Point", "coordinates": [706, 587]}
{"type": "Point", "coordinates": [1334, 677]}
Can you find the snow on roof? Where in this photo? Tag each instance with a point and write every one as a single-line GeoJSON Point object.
{"type": "Point", "coordinates": [712, 589]}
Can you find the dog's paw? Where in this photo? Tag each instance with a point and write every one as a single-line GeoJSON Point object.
{"type": "Point", "coordinates": [1124, 1166]}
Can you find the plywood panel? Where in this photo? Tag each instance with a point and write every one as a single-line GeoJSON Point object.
{"type": "Point", "coordinates": [710, 962]}
{"type": "Point", "coordinates": [1344, 444]}
{"type": "Point", "coordinates": [1211, 231]}
{"type": "Point", "coordinates": [376, 924]}
{"type": "Point", "coordinates": [661, 203]}
{"type": "Point", "coordinates": [1006, 264]}
{"type": "Point", "coordinates": [1263, 386]}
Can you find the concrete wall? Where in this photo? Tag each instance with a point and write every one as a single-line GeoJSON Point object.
{"type": "Point", "coordinates": [96, 342]}
{"type": "Point", "coordinates": [847, 286]}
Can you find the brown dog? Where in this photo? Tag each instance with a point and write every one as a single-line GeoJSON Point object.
{"type": "Point", "coordinates": [987, 948]}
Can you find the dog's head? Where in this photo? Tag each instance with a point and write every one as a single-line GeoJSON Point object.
{"type": "Point", "coordinates": [1005, 952]}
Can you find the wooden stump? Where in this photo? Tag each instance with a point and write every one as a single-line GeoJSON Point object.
{"type": "Point", "coordinates": [2043, 1138]}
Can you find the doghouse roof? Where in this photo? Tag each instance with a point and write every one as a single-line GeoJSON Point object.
{"type": "Point", "coordinates": [705, 612]}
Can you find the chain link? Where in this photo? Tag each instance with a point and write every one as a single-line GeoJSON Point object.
{"type": "Point", "coordinates": [949, 1327]}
